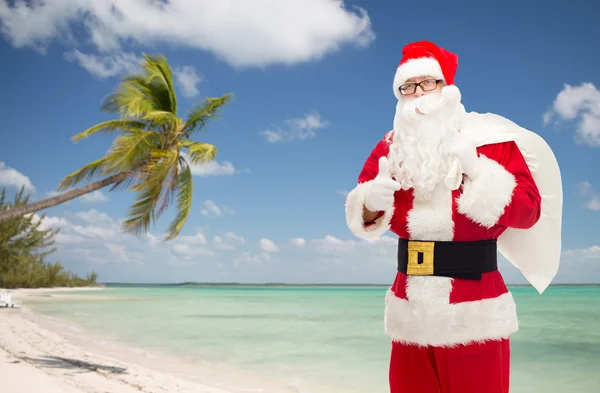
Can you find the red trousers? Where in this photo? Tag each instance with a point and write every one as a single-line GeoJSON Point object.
{"type": "Point", "coordinates": [473, 368]}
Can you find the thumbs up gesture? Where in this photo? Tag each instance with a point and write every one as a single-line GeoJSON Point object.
{"type": "Point", "coordinates": [381, 193]}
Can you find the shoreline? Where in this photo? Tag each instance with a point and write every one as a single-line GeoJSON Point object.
{"type": "Point", "coordinates": [42, 353]}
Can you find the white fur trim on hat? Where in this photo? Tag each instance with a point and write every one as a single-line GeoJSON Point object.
{"type": "Point", "coordinates": [423, 66]}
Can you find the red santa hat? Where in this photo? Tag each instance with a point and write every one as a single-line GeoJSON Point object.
{"type": "Point", "coordinates": [424, 58]}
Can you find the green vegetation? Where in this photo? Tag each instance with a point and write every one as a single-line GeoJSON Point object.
{"type": "Point", "coordinates": [24, 245]}
{"type": "Point", "coordinates": [152, 154]}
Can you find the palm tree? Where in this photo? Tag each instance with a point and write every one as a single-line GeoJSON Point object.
{"type": "Point", "coordinates": [147, 157]}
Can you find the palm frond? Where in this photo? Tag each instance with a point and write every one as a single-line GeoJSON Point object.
{"type": "Point", "coordinates": [160, 117]}
{"type": "Point", "coordinates": [151, 185]}
{"type": "Point", "coordinates": [89, 171]}
{"type": "Point", "coordinates": [158, 68]}
{"type": "Point", "coordinates": [129, 181]}
{"type": "Point", "coordinates": [151, 89]}
{"type": "Point", "coordinates": [110, 126]}
{"type": "Point", "coordinates": [130, 148]}
{"type": "Point", "coordinates": [141, 213]}
{"type": "Point", "coordinates": [132, 99]}
{"type": "Point", "coordinates": [160, 162]}
{"type": "Point", "coordinates": [184, 201]}
{"type": "Point", "coordinates": [169, 189]}
{"type": "Point", "coordinates": [199, 116]}
{"type": "Point", "coordinates": [200, 153]}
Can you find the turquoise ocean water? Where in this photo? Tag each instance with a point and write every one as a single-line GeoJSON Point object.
{"type": "Point", "coordinates": [328, 339]}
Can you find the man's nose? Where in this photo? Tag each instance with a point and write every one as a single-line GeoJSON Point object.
{"type": "Point", "coordinates": [418, 91]}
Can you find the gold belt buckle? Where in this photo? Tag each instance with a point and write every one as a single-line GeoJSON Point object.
{"type": "Point", "coordinates": [420, 258]}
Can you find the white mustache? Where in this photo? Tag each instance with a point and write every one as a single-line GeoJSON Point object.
{"type": "Point", "coordinates": [430, 103]}
{"type": "Point", "coordinates": [426, 104]}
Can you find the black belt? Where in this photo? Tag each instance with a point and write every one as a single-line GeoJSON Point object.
{"type": "Point", "coordinates": [466, 260]}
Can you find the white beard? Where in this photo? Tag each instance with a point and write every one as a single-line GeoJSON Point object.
{"type": "Point", "coordinates": [417, 154]}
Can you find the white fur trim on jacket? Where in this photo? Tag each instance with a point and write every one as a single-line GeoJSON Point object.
{"type": "Point", "coordinates": [484, 199]}
{"type": "Point", "coordinates": [435, 322]}
{"type": "Point", "coordinates": [431, 219]}
{"type": "Point", "coordinates": [424, 66]}
{"type": "Point", "coordinates": [354, 215]}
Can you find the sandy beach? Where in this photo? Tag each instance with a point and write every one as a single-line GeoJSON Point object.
{"type": "Point", "coordinates": [35, 359]}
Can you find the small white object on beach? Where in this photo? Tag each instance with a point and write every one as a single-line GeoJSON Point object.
{"type": "Point", "coordinates": [6, 301]}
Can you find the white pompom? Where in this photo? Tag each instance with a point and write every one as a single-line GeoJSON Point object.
{"type": "Point", "coordinates": [451, 94]}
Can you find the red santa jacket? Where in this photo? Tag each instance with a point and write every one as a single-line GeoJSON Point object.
{"type": "Point", "coordinates": [432, 310]}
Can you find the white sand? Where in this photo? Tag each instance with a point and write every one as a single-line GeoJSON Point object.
{"type": "Point", "coordinates": [17, 376]}
{"type": "Point", "coordinates": [35, 359]}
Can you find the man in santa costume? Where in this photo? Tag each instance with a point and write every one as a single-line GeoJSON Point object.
{"type": "Point", "coordinates": [455, 187]}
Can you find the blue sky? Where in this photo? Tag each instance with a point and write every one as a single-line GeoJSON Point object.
{"type": "Point", "coordinates": [313, 88]}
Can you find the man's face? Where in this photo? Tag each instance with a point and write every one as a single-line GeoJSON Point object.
{"type": "Point", "coordinates": [419, 86]}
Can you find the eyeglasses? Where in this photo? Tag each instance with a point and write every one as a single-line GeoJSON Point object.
{"type": "Point", "coordinates": [426, 85]}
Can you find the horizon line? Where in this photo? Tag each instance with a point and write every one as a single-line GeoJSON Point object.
{"type": "Point", "coordinates": [192, 283]}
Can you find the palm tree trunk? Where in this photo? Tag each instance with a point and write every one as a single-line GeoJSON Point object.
{"type": "Point", "coordinates": [62, 198]}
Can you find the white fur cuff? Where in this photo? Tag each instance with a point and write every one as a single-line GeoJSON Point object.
{"type": "Point", "coordinates": [484, 199]}
{"type": "Point", "coordinates": [354, 215]}
{"type": "Point", "coordinates": [447, 325]}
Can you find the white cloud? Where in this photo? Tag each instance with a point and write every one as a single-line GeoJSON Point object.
{"type": "Point", "coordinates": [94, 216]}
{"type": "Point", "coordinates": [594, 203]}
{"type": "Point", "coordinates": [187, 78]}
{"type": "Point", "coordinates": [48, 222]}
{"type": "Point", "coordinates": [355, 260]}
{"type": "Point", "coordinates": [211, 209]}
{"type": "Point", "coordinates": [121, 63]}
{"type": "Point", "coordinates": [581, 104]}
{"type": "Point", "coordinates": [579, 265]}
{"type": "Point", "coordinates": [121, 253]}
{"type": "Point", "coordinates": [357, 254]}
{"type": "Point", "coordinates": [187, 252]}
{"type": "Point", "coordinates": [386, 241]}
{"type": "Point", "coordinates": [249, 33]}
{"type": "Point", "coordinates": [246, 258]}
{"type": "Point", "coordinates": [229, 242]}
{"type": "Point", "coordinates": [96, 231]}
{"type": "Point", "coordinates": [105, 66]}
{"type": "Point", "coordinates": [298, 242]}
{"type": "Point", "coordinates": [196, 239]}
{"type": "Point", "coordinates": [67, 239]}
{"type": "Point", "coordinates": [331, 244]}
{"type": "Point", "coordinates": [118, 251]}
{"type": "Point", "coordinates": [585, 188]}
{"type": "Point", "coordinates": [94, 197]}
{"type": "Point", "coordinates": [99, 226]}
{"type": "Point", "coordinates": [92, 240]}
{"type": "Point", "coordinates": [10, 177]}
{"type": "Point", "coordinates": [592, 197]}
{"type": "Point", "coordinates": [343, 193]}
{"type": "Point", "coordinates": [89, 256]}
{"type": "Point", "coordinates": [298, 129]}
{"type": "Point", "coordinates": [592, 252]}
{"type": "Point", "coordinates": [95, 237]}
{"type": "Point", "coordinates": [153, 240]}
{"type": "Point", "coordinates": [213, 168]}
{"type": "Point", "coordinates": [267, 245]}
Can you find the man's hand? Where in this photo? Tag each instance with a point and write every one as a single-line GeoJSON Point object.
{"type": "Point", "coordinates": [381, 194]}
{"type": "Point", "coordinates": [466, 153]}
